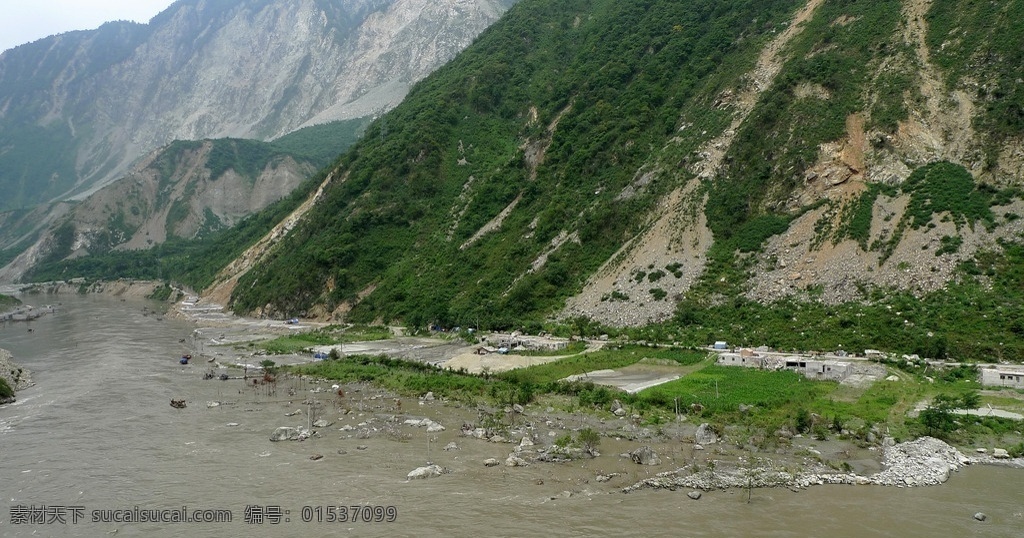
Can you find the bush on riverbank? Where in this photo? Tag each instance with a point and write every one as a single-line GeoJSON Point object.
{"type": "Point", "coordinates": [5, 390]}
{"type": "Point", "coordinates": [7, 302]}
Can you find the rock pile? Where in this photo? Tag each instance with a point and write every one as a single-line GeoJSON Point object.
{"type": "Point", "coordinates": [924, 462]}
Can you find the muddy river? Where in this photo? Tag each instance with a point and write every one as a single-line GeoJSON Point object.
{"type": "Point", "coordinates": [96, 441]}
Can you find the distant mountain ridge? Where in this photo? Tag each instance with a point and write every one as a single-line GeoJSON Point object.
{"type": "Point", "coordinates": [77, 109]}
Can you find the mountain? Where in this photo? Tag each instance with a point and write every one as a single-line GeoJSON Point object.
{"type": "Point", "coordinates": [186, 190]}
{"type": "Point", "coordinates": [796, 173]}
{"type": "Point", "coordinates": [77, 109]}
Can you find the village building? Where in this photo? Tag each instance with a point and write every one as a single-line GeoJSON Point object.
{"type": "Point", "coordinates": [1003, 376]}
{"type": "Point", "coordinates": [749, 360]}
{"type": "Point", "coordinates": [828, 370]}
{"type": "Point", "coordinates": [822, 370]}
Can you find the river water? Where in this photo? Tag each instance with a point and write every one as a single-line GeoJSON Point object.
{"type": "Point", "coordinates": [97, 432]}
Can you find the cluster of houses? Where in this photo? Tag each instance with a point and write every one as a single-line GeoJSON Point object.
{"type": "Point", "coordinates": [998, 375]}
{"type": "Point", "coordinates": [824, 370]}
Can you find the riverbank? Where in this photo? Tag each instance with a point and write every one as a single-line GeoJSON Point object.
{"type": "Point", "coordinates": [15, 377]}
{"type": "Point", "coordinates": [103, 366]}
{"type": "Point", "coordinates": [123, 288]}
{"type": "Point", "coordinates": [548, 432]}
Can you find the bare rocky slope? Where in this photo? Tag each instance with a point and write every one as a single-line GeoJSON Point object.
{"type": "Point", "coordinates": [99, 100]}
{"type": "Point", "coordinates": [171, 193]}
{"type": "Point", "coordinates": [798, 262]}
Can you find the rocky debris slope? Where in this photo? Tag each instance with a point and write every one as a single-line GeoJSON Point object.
{"type": "Point", "coordinates": [923, 462]}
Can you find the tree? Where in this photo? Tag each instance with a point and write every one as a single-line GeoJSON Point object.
{"type": "Point", "coordinates": [969, 400]}
{"type": "Point", "coordinates": [589, 440]}
{"type": "Point", "coordinates": [938, 418]}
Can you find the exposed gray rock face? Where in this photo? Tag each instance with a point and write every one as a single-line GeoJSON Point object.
{"type": "Point", "coordinates": [213, 69]}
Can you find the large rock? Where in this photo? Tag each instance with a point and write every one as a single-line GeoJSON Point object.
{"type": "Point", "coordinates": [705, 435]}
{"type": "Point", "coordinates": [429, 471]}
{"type": "Point", "coordinates": [645, 455]}
{"type": "Point", "coordinates": [285, 433]}
{"type": "Point", "coordinates": [515, 461]}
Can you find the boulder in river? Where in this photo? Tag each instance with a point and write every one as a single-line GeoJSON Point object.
{"type": "Point", "coordinates": [705, 435]}
{"type": "Point", "coordinates": [428, 471]}
{"type": "Point", "coordinates": [645, 456]}
{"type": "Point", "coordinates": [515, 461]}
{"type": "Point", "coordinates": [287, 433]}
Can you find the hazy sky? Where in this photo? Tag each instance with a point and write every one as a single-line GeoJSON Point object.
{"type": "Point", "coordinates": [24, 21]}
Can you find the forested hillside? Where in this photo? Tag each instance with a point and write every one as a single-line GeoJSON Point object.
{"type": "Point", "coordinates": [661, 164]}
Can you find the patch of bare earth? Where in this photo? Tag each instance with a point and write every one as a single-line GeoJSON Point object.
{"type": "Point", "coordinates": [833, 273]}
{"type": "Point", "coordinates": [617, 295]}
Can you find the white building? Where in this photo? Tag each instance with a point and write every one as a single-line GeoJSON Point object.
{"type": "Point", "coordinates": [1003, 376]}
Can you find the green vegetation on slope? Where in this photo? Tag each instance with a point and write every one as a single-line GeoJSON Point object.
{"type": "Point", "coordinates": [782, 135]}
{"type": "Point", "coordinates": [978, 47]}
{"type": "Point", "coordinates": [615, 76]}
{"type": "Point", "coordinates": [5, 390]}
{"type": "Point", "coordinates": [321, 144]}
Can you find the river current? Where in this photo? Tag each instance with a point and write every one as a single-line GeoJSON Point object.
{"type": "Point", "coordinates": [96, 437]}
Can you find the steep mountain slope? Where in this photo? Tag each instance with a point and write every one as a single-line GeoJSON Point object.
{"type": "Point", "coordinates": [77, 109]}
{"type": "Point", "coordinates": [552, 120]}
{"type": "Point", "coordinates": [627, 161]}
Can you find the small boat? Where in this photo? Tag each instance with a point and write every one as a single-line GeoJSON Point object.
{"type": "Point", "coordinates": [178, 404]}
